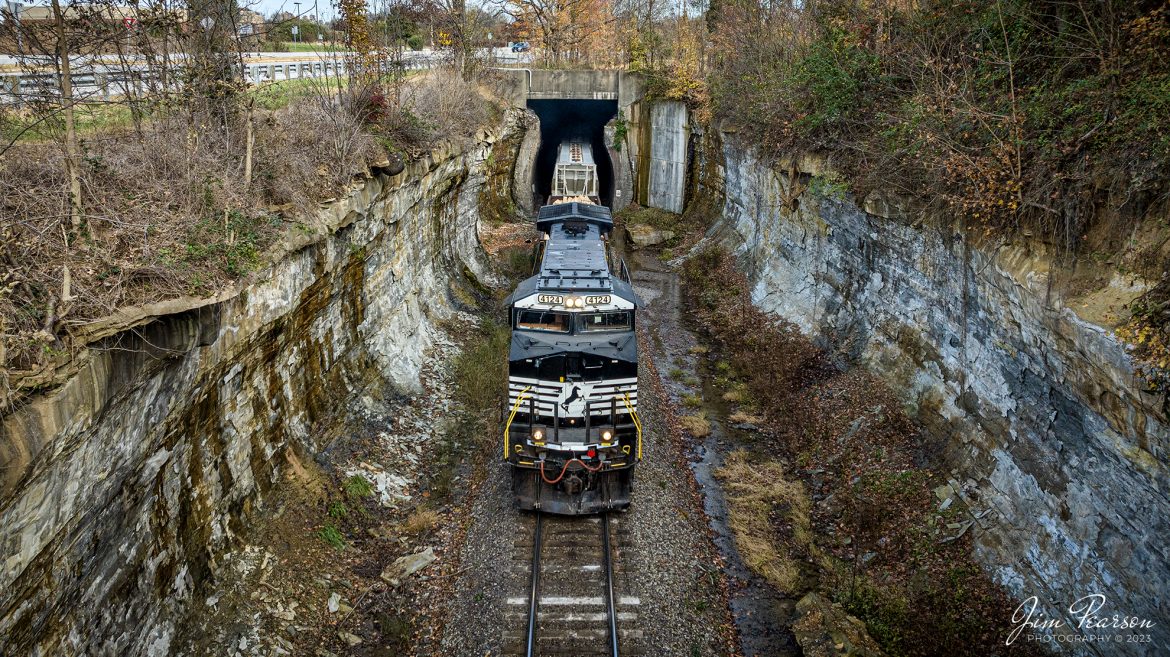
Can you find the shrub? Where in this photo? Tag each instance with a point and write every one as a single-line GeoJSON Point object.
{"type": "Point", "coordinates": [333, 536]}
{"type": "Point", "coordinates": [357, 487]}
{"type": "Point", "coordinates": [1011, 113]}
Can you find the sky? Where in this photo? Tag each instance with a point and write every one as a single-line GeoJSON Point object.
{"type": "Point", "coordinates": [266, 7]}
{"type": "Point", "coordinates": [270, 7]}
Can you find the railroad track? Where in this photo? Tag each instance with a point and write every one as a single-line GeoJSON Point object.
{"type": "Point", "coordinates": [572, 606]}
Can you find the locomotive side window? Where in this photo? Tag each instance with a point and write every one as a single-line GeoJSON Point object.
{"type": "Point", "coordinates": [543, 320]}
{"type": "Point", "coordinates": [594, 322]}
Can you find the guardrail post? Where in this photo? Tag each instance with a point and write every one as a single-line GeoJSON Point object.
{"type": "Point", "coordinates": [14, 89]}
{"type": "Point", "coordinates": [272, 72]}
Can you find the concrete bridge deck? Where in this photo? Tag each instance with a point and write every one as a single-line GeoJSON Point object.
{"type": "Point", "coordinates": [544, 84]}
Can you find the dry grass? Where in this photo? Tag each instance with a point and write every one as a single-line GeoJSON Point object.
{"type": "Point", "coordinates": [697, 425]}
{"type": "Point", "coordinates": [168, 212]}
{"type": "Point", "coordinates": [434, 107]}
{"type": "Point", "coordinates": [740, 417]}
{"type": "Point", "coordinates": [758, 496]}
{"type": "Point", "coordinates": [421, 521]}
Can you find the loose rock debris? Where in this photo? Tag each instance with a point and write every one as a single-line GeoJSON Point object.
{"type": "Point", "coordinates": [288, 590]}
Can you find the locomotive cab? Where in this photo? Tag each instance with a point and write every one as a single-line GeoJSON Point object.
{"type": "Point", "coordinates": [572, 434]}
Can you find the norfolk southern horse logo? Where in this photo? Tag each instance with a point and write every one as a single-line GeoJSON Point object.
{"type": "Point", "coordinates": [573, 396]}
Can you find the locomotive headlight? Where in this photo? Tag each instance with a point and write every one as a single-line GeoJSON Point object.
{"type": "Point", "coordinates": [607, 435]}
{"type": "Point", "coordinates": [538, 435]}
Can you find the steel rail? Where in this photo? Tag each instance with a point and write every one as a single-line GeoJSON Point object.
{"type": "Point", "coordinates": [613, 635]}
{"type": "Point", "coordinates": [535, 588]}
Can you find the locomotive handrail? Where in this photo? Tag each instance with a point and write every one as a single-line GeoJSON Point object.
{"type": "Point", "coordinates": [624, 272]}
{"type": "Point", "coordinates": [512, 416]}
{"type": "Point", "coordinates": [637, 422]}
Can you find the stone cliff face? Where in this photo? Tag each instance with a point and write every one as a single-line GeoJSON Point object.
{"type": "Point", "coordinates": [1060, 455]}
{"type": "Point", "coordinates": [120, 488]}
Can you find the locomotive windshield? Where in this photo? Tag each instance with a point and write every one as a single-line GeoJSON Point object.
{"type": "Point", "coordinates": [543, 320]}
{"type": "Point", "coordinates": [596, 322]}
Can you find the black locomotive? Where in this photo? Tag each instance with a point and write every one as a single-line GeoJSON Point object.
{"type": "Point", "coordinates": [572, 432]}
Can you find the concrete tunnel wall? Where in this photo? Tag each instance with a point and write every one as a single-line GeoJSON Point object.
{"type": "Point", "coordinates": [669, 136]}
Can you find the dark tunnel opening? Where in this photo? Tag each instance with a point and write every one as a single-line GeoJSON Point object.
{"type": "Point", "coordinates": [561, 120]}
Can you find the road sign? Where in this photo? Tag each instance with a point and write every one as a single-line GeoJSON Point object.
{"type": "Point", "coordinates": [296, 30]}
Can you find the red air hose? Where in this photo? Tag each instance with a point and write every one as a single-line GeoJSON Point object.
{"type": "Point", "coordinates": [556, 481]}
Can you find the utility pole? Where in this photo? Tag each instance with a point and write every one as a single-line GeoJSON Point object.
{"type": "Point", "coordinates": [16, 27]}
{"type": "Point", "coordinates": [317, 20]}
{"type": "Point", "coordinates": [295, 28]}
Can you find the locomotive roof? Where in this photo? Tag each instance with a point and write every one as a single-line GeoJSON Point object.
{"type": "Point", "coordinates": [597, 215]}
{"type": "Point", "coordinates": [574, 259]}
{"type": "Point", "coordinates": [574, 256]}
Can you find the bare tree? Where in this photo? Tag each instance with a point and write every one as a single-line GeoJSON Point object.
{"type": "Point", "coordinates": [72, 152]}
{"type": "Point", "coordinates": [565, 29]}
{"type": "Point", "coordinates": [215, 74]}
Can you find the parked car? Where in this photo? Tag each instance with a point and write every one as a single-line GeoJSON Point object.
{"type": "Point", "coordinates": [520, 46]}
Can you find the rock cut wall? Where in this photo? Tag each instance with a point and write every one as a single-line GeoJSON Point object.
{"type": "Point", "coordinates": [121, 487]}
{"type": "Point", "coordinates": [1048, 431]}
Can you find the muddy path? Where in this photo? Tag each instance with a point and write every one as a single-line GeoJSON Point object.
{"type": "Point", "coordinates": [762, 616]}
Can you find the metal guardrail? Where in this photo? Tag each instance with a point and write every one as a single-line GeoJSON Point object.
{"type": "Point", "coordinates": [18, 88]}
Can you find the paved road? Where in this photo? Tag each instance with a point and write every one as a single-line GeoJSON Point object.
{"type": "Point", "coordinates": [104, 78]}
{"type": "Point", "coordinates": [501, 55]}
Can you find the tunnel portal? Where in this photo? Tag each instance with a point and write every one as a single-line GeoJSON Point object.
{"type": "Point", "coordinates": [561, 120]}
